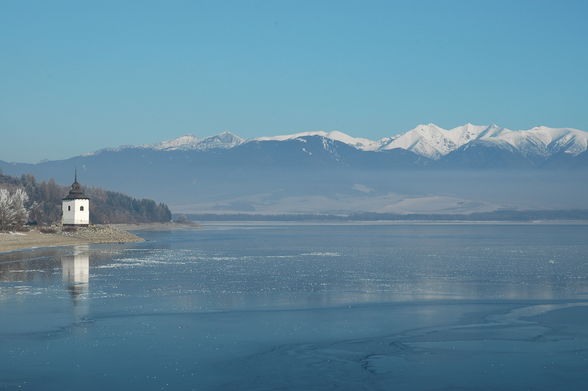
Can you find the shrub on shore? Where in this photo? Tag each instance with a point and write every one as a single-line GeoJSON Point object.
{"type": "Point", "coordinates": [48, 230]}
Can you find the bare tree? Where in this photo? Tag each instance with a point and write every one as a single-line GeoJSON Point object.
{"type": "Point", "coordinates": [13, 214]}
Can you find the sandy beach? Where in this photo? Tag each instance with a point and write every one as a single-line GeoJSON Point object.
{"type": "Point", "coordinates": [94, 234]}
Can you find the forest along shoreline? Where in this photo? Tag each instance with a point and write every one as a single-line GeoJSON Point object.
{"type": "Point", "coordinates": [31, 215]}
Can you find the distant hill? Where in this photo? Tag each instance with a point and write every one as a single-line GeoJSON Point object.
{"type": "Point", "coordinates": [107, 207]}
{"type": "Point", "coordinates": [499, 215]}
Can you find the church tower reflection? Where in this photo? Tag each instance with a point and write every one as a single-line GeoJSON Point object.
{"type": "Point", "coordinates": [76, 277]}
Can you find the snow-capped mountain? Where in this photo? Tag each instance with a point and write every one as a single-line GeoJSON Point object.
{"type": "Point", "coordinates": [327, 171]}
{"type": "Point", "coordinates": [434, 142]}
{"type": "Point", "coordinates": [362, 144]}
{"type": "Point", "coordinates": [546, 141]}
{"type": "Point", "coordinates": [224, 140]}
{"type": "Point", "coordinates": [430, 141]}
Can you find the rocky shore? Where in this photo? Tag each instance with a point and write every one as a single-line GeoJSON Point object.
{"type": "Point", "coordinates": [64, 236]}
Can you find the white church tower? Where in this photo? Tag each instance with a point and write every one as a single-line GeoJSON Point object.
{"type": "Point", "coordinates": [76, 206]}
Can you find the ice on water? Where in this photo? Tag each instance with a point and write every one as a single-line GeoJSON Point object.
{"type": "Point", "coordinates": [350, 306]}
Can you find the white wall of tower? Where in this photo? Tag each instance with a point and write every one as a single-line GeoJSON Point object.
{"type": "Point", "coordinates": [76, 212]}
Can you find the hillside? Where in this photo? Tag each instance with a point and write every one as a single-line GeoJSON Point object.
{"type": "Point", "coordinates": [107, 207]}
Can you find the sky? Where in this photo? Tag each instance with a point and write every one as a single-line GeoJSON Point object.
{"type": "Point", "coordinates": [78, 76]}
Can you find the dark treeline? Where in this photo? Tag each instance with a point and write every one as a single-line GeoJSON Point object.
{"type": "Point", "coordinates": [106, 207]}
{"type": "Point", "coordinates": [499, 215]}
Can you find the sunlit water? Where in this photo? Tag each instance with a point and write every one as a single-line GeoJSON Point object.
{"type": "Point", "coordinates": [302, 307]}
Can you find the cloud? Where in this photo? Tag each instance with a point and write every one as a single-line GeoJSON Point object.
{"type": "Point", "coordinates": [362, 188]}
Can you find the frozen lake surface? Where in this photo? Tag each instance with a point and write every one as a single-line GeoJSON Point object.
{"type": "Point", "coordinates": [302, 307]}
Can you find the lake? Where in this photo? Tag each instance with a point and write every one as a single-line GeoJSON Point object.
{"type": "Point", "coordinates": [266, 306]}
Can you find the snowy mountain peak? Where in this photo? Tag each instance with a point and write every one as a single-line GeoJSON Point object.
{"type": "Point", "coordinates": [182, 142]}
{"type": "Point", "coordinates": [224, 140]}
{"type": "Point", "coordinates": [357, 142]}
{"type": "Point", "coordinates": [542, 140]}
{"type": "Point", "coordinates": [428, 140]}
{"type": "Point", "coordinates": [431, 140]}
{"type": "Point", "coordinates": [435, 142]}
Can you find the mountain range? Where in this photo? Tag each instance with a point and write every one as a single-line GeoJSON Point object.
{"type": "Point", "coordinates": [430, 141]}
{"type": "Point", "coordinates": [470, 168]}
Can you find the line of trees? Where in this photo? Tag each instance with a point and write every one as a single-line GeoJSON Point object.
{"type": "Point", "coordinates": [40, 203]}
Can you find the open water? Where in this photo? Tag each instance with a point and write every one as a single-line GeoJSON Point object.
{"type": "Point", "coordinates": [302, 307]}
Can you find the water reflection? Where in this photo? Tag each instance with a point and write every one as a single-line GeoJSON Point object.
{"type": "Point", "coordinates": [76, 277]}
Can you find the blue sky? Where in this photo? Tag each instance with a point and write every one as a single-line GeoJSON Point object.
{"type": "Point", "coordinates": [76, 76]}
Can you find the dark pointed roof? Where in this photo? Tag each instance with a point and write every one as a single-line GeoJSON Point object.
{"type": "Point", "coordinates": [76, 192]}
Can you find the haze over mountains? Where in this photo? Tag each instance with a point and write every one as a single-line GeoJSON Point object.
{"type": "Point", "coordinates": [428, 169]}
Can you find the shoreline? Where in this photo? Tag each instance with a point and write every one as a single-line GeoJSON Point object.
{"type": "Point", "coordinates": [98, 233]}
{"type": "Point", "coordinates": [157, 226]}
{"type": "Point", "coordinates": [391, 222]}
{"type": "Point", "coordinates": [16, 241]}
{"type": "Point", "coordinates": [120, 233]}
